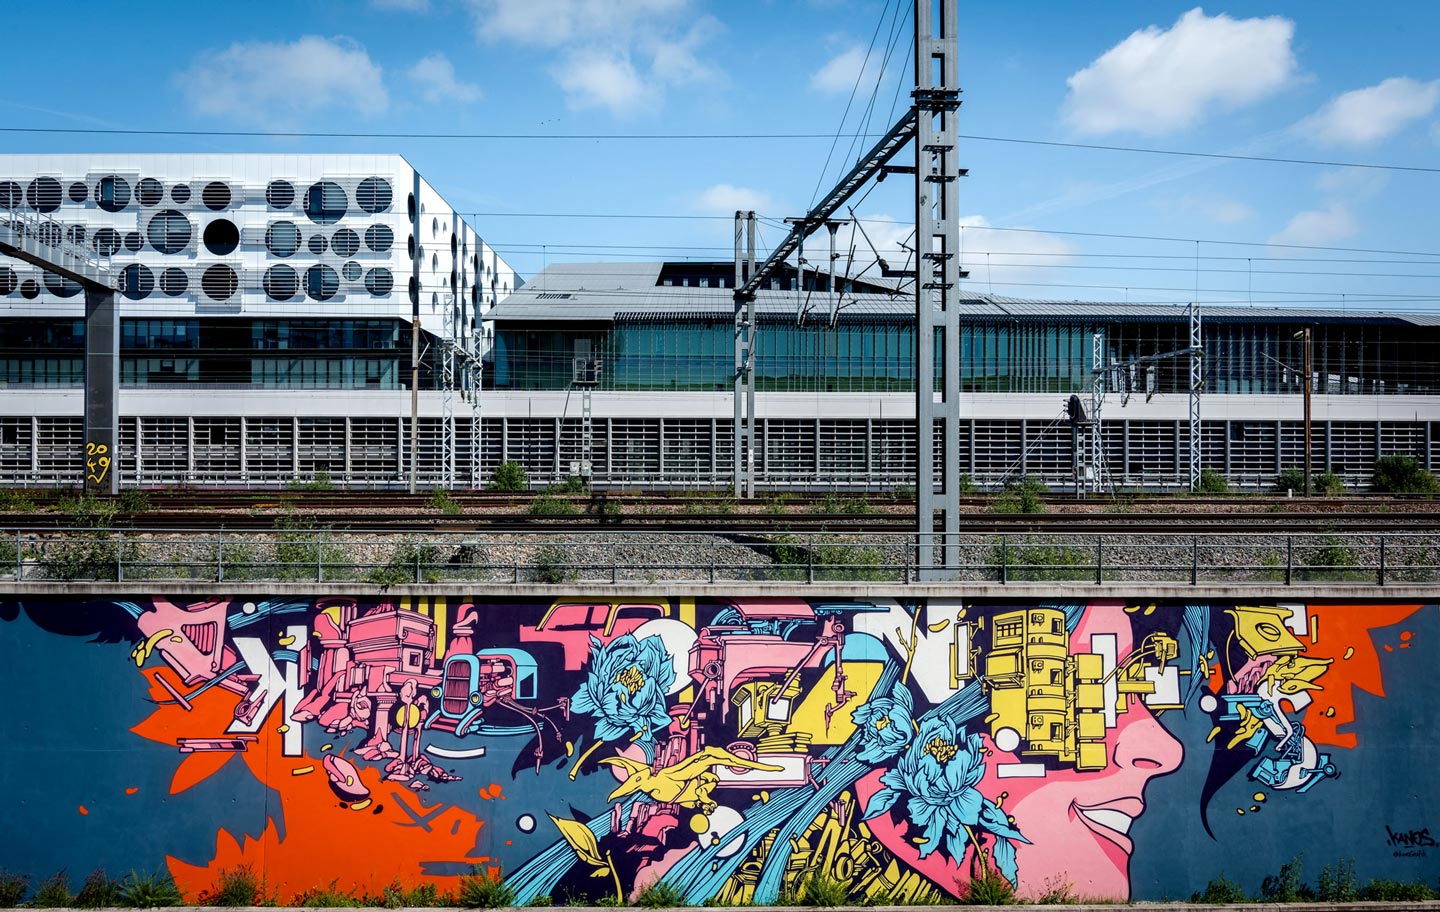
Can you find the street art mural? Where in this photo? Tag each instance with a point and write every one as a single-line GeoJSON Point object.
{"type": "Point", "coordinates": [588, 748]}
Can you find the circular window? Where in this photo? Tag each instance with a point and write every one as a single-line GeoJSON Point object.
{"type": "Point", "coordinates": [351, 271]}
{"type": "Point", "coordinates": [30, 289]}
{"type": "Point", "coordinates": [10, 195]}
{"type": "Point", "coordinates": [107, 242]}
{"type": "Point", "coordinates": [48, 233]}
{"type": "Point", "coordinates": [61, 287]}
{"type": "Point", "coordinates": [374, 194]}
{"type": "Point", "coordinates": [168, 231]}
{"type": "Point", "coordinates": [43, 194]}
{"type": "Point", "coordinates": [434, 227]}
{"type": "Point", "coordinates": [321, 282]}
{"type": "Point", "coordinates": [133, 241]}
{"type": "Point", "coordinates": [180, 193]}
{"type": "Point", "coordinates": [281, 282]}
{"type": "Point", "coordinates": [379, 281]}
{"type": "Point", "coordinates": [410, 206]}
{"type": "Point", "coordinates": [453, 245]}
{"type": "Point", "coordinates": [434, 300]}
{"type": "Point", "coordinates": [282, 239]}
{"type": "Point", "coordinates": [280, 194]}
{"type": "Point", "coordinates": [75, 234]}
{"type": "Point", "coordinates": [173, 281]}
{"type": "Point", "coordinates": [221, 237]}
{"type": "Point", "coordinates": [8, 281]}
{"type": "Point", "coordinates": [79, 192]}
{"type": "Point", "coordinates": [475, 295]}
{"type": "Point", "coordinates": [112, 193]}
{"type": "Point", "coordinates": [219, 282]}
{"type": "Point", "coordinates": [317, 244]}
{"type": "Point", "coordinates": [434, 262]}
{"type": "Point", "coordinates": [379, 238]}
{"type": "Point", "coordinates": [451, 286]}
{"type": "Point", "coordinates": [345, 242]}
{"type": "Point", "coordinates": [325, 202]}
{"type": "Point", "coordinates": [410, 247]}
{"type": "Point", "coordinates": [136, 281]}
{"type": "Point", "coordinates": [150, 191]}
{"type": "Point", "coordinates": [414, 290]}
{"type": "Point", "coordinates": [215, 196]}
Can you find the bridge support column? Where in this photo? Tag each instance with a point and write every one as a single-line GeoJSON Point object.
{"type": "Point", "coordinates": [102, 384]}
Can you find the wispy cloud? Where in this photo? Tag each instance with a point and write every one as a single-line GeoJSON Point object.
{"type": "Point", "coordinates": [1318, 227]}
{"type": "Point", "coordinates": [434, 75]}
{"type": "Point", "coordinates": [1366, 116]}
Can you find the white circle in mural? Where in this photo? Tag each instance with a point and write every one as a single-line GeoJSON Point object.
{"type": "Point", "coordinates": [526, 823]}
{"type": "Point", "coordinates": [1208, 703]}
{"type": "Point", "coordinates": [722, 822]}
{"type": "Point", "coordinates": [248, 608]}
{"type": "Point", "coordinates": [678, 638]}
{"type": "Point", "coordinates": [1007, 739]}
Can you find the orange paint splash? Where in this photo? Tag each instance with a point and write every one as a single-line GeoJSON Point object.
{"type": "Point", "coordinates": [131, 790]}
{"type": "Point", "coordinates": [1344, 626]}
{"type": "Point", "coordinates": [322, 839]}
{"type": "Point", "coordinates": [84, 811]}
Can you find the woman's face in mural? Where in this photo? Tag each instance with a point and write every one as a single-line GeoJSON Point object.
{"type": "Point", "coordinates": [1077, 822]}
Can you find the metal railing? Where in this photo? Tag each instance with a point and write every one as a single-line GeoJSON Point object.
{"type": "Point", "coordinates": [381, 558]}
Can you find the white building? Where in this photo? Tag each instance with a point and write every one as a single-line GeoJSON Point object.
{"type": "Point", "coordinates": [266, 306]}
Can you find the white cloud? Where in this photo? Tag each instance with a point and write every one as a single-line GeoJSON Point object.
{"type": "Point", "coordinates": [434, 74]}
{"type": "Point", "coordinates": [675, 61]}
{"type": "Point", "coordinates": [841, 72]}
{"type": "Point", "coordinates": [275, 84]}
{"type": "Point", "coordinates": [1229, 212]}
{"type": "Point", "coordinates": [1161, 80]}
{"type": "Point", "coordinates": [599, 79]}
{"type": "Point", "coordinates": [408, 6]}
{"type": "Point", "coordinates": [1317, 227]}
{"type": "Point", "coordinates": [725, 199]}
{"type": "Point", "coordinates": [1353, 183]}
{"type": "Point", "coordinates": [1366, 116]}
{"type": "Point", "coordinates": [551, 23]}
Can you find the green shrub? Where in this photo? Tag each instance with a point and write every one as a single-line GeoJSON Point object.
{"type": "Point", "coordinates": [134, 500]}
{"type": "Point", "coordinates": [1396, 891]}
{"type": "Point", "coordinates": [395, 896]}
{"type": "Point", "coordinates": [1331, 559]}
{"type": "Point", "coordinates": [331, 897]}
{"type": "Point", "coordinates": [1336, 883]}
{"type": "Point", "coordinates": [410, 562]}
{"type": "Point", "coordinates": [301, 548]}
{"type": "Point", "coordinates": [551, 505]}
{"type": "Point", "coordinates": [707, 502]}
{"type": "Point", "coordinates": [1212, 482]}
{"type": "Point", "coordinates": [53, 892]}
{"type": "Point", "coordinates": [907, 492]}
{"type": "Point", "coordinates": [1402, 475]}
{"type": "Point", "coordinates": [963, 485]}
{"type": "Point", "coordinates": [509, 477]}
{"type": "Point", "coordinates": [150, 891]}
{"type": "Point", "coordinates": [1291, 479]}
{"type": "Point", "coordinates": [16, 502]}
{"type": "Point", "coordinates": [606, 509]}
{"type": "Point", "coordinates": [1023, 496]}
{"type": "Point", "coordinates": [1220, 891]}
{"type": "Point", "coordinates": [1285, 886]}
{"type": "Point", "coordinates": [551, 565]}
{"type": "Point", "coordinates": [823, 891]}
{"type": "Point", "coordinates": [1058, 892]}
{"type": "Point", "coordinates": [13, 888]}
{"type": "Point", "coordinates": [480, 890]}
{"type": "Point", "coordinates": [660, 895]}
{"type": "Point", "coordinates": [775, 504]}
{"type": "Point", "coordinates": [541, 901]}
{"type": "Point", "coordinates": [572, 484]}
{"type": "Point", "coordinates": [236, 887]}
{"type": "Point", "coordinates": [99, 891]}
{"type": "Point", "coordinates": [989, 889]}
{"type": "Point", "coordinates": [320, 481]}
{"type": "Point", "coordinates": [1043, 563]}
{"type": "Point", "coordinates": [441, 500]}
{"type": "Point", "coordinates": [1329, 484]}
{"type": "Point", "coordinates": [89, 549]}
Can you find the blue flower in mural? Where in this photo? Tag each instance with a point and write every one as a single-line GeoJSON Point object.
{"type": "Point", "coordinates": [885, 725]}
{"type": "Point", "coordinates": [626, 688]}
{"type": "Point", "coordinates": [938, 775]}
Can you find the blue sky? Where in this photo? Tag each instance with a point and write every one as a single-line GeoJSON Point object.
{"type": "Point", "coordinates": [1311, 80]}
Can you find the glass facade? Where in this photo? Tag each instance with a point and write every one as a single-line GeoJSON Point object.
{"type": "Point", "coordinates": [1018, 356]}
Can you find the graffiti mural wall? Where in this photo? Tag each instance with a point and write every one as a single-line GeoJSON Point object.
{"type": "Point", "coordinates": [588, 748]}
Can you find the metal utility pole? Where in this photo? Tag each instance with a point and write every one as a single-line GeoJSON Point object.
{"type": "Point", "coordinates": [744, 443]}
{"type": "Point", "coordinates": [417, 256]}
{"type": "Point", "coordinates": [1197, 380]}
{"type": "Point", "coordinates": [1308, 370]}
{"type": "Point", "coordinates": [937, 244]}
{"type": "Point", "coordinates": [36, 239]}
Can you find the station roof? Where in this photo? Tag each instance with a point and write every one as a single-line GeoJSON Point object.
{"type": "Point", "coordinates": [630, 292]}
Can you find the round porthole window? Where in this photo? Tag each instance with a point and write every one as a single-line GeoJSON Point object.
{"type": "Point", "coordinates": [136, 281]}
{"type": "Point", "coordinates": [280, 194]}
{"type": "Point", "coordinates": [351, 271]}
{"type": "Point", "coordinates": [379, 281]}
{"type": "Point", "coordinates": [221, 237]}
{"type": "Point", "coordinates": [8, 281]}
{"type": "Point", "coordinates": [173, 281]}
{"type": "Point", "coordinates": [133, 241]}
{"type": "Point", "coordinates": [321, 282]}
{"type": "Point", "coordinates": [107, 242]}
{"type": "Point", "coordinates": [79, 192]}
{"type": "Point", "coordinates": [345, 243]}
{"type": "Point", "coordinates": [379, 238]}
{"type": "Point", "coordinates": [150, 191]}
{"type": "Point", "coordinates": [282, 239]}
{"type": "Point", "coordinates": [215, 196]}
{"type": "Point", "coordinates": [112, 193]}
{"type": "Point", "coordinates": [325, 202]}
{"type": "Point", "coordinates": [169, 231]}
{"type": "Point", "coordinates": [374, 194]}
{"type": "Point", "coordinates": [44, 193]}
{"type": "Point", "coordinates": [30, 289]}
{"type": "Point", "coordinates": [180, 194]}
{"type": "Point", "coordinates": [61, 287]}
{"type": "Point", "coordinates": [76, 234]}
{"type": "Point", "coordinates": [219, 282]}
{"type": "Point", "coordinates": [317, 244]}
{"type": "Point", "coordinates": [48, 233]}
{"type": "Point", "coordinates": [281, 282]}
{"type": "Point", "coordinates": [10, 195]}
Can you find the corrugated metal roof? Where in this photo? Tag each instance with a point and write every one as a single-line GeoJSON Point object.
{"type": "Point", "coordinates": [604, 292]}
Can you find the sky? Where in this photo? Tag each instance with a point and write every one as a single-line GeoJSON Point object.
{"type": "Point", "coordinates": [1313, 80]}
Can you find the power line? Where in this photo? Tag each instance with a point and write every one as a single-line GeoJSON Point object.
{"type": "Point", "coordinates": [710, 137]}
